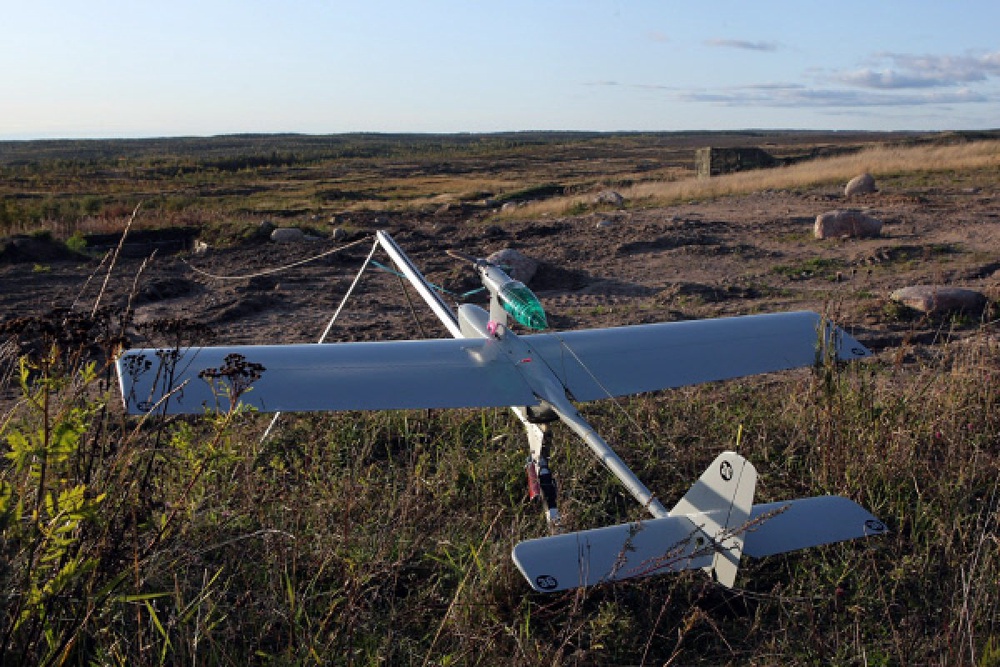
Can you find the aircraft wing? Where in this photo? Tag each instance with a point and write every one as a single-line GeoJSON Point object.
{"type": "Point", "coordinates": [598, 363]}
{"type": "Point", "coordinates": [390, 375]}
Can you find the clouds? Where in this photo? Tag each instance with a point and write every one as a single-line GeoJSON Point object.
{"type": "Point", "coordinates": [800, 96]}
{"type": "Point", "coordinates": [743, 44]}
{"type": "Point", "coordinates": [901, 71]}
{"type": "Point", "coordinates": [884, 80]}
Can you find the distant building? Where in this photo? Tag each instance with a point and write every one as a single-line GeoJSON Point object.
{"type": "Point", "coordinates": [716, 161]}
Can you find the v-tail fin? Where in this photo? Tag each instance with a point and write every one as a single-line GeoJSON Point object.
{"type": "Point", "coordinates": [720, 504]}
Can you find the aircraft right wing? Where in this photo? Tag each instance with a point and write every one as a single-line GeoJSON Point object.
{"type": "Point", "coordinates": [598, 363]}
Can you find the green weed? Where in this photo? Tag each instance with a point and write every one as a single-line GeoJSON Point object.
{"type": "Point", "coordinates": [815, 267]}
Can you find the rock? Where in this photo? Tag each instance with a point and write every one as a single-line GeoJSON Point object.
{"type": "Point", "coordinates": [266, 229]}
{"type": "Point", "coordinates": [200, 247]}
{"type": "Point", "coordinates": [288, 235]}
{"type": "Point", "coordinates": [860, 185]}
{"type": "Point", "coordinates": [937, 299]}
{"type": "Point", "coordinates": [604, 224]}
{"type": "Point", "coordinates": [509, 206]}
{"type": "Point", "coordinates": [35, 248]}
{"type": "Point", "coordinates": [338, 234]}
{"type": "Point", "coordinates": [609, 197]}
{"type": "Point", "coordinates": [515, 264]}
{"type": "Point", "coordinates": [834, 224]}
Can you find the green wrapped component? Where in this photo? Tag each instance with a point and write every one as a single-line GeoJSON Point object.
{"type": "Point", "coordinates": [523, 305]}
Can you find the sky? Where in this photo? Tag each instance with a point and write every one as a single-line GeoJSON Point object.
{"type": "Point", "coordinates": [108, 68]}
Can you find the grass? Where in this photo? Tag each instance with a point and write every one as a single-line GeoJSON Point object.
{"type": "Point", "coordinates": [880, 161]}
{"type": "Point", "coordinates": [67, 186]}
{"type": "Point", "coordinates": [816, 267]}
{"type": "Point", "coordinates": [356, 539]}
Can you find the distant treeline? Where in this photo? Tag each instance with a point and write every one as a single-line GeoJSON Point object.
{"type": "Point", "coordinates": [241, 151]}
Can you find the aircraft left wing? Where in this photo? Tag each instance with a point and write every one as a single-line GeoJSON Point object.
{"type": "Point", "coordinates": [390, 375]}
{"type": "Point", "coordinates": [599, 363]}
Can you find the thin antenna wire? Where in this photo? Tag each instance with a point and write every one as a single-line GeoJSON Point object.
{"type": "Point", "coordinates": [413, 311]}
{"type": "Point", "coordinates": [326, 331]}
{"type": "Point", "coordinates": [266, 272]}
{"type": "Point", "coordinates": [350, 290]}
{"type": "Point", "coordinates": [597, 381]}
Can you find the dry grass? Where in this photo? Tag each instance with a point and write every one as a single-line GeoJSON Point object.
{"type": "Point", "coordinates": [880, 161]}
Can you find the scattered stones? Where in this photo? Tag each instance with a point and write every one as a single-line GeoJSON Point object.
{"type": "Point", "coordinates": [839, 223]}
{"type": "Point", "coordinates": [860, 185]}
{"type": "Point", "coordinates": [937, 299]}
{"type": "Point", "coordinates": [517, 265]}
{"type": "Point", "coordinates": [288, 235]}
{"type": "Point", "coordinates": [609, 197]}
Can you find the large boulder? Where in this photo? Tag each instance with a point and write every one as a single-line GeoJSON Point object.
{"type": "Point", "coordinates": [860, 185]}
{"type": "Point", "coordinates": [517, 265]}
{"type": "Point", "coordinates": [265, 229]}
{"type": "Point", "coordinates": [609, 197]}
{"type": "Point", "coordinates": [288, 235]}
{"type": "Point", "coordinates": [937, 299]}
{"type": "Point", "coordinates": [835, 224]}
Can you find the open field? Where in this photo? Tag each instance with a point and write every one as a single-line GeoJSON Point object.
{"type": "Point", "coordinates": [364, 539]}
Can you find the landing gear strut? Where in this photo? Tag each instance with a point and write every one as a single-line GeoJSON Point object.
{"type": "Point", "coordinates": [541, 483]}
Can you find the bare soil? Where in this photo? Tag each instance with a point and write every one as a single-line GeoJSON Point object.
{"type": "Point", "coordinates": [736, 255]}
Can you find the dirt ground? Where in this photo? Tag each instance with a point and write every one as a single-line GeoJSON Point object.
{"type": "Point", "coordinates": [737, 255]}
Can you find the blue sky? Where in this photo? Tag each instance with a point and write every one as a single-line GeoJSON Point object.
{"type": "Point", "coordinates": [134, 69]}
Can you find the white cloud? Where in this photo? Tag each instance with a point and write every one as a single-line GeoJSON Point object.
{"type": "Point", "coordinates": [777, 95]}
{"type": "Point", "coordinates": [892, 71]}
{"type": "Point", "coordinates": [744, 44]}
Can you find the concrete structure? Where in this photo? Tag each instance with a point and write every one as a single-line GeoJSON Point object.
{"type": "Point", "coordinates": [716, 161]}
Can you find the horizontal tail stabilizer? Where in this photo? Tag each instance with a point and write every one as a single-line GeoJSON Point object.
{"type": "Point", "coordinates": [704, 530]}
{"type": "Point", "coordinates": [711, 526]}
{"type": "Point", "coordinates": [612, 553]}
{"type": "Point", "coordinates": [791, 525]}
